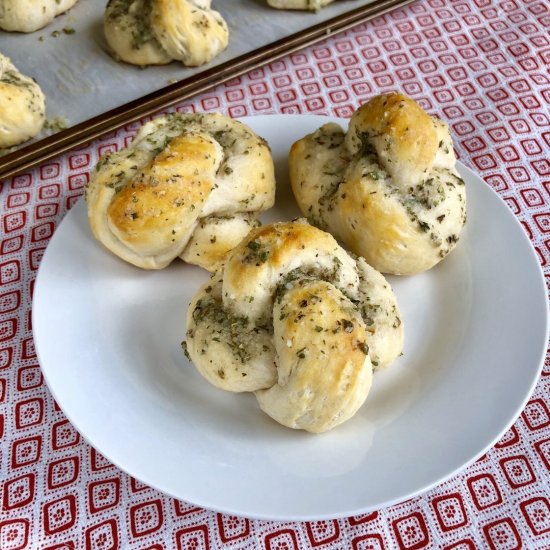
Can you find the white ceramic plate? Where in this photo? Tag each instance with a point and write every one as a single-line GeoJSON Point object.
{"type": "Point", "coordinates": [108, 340]}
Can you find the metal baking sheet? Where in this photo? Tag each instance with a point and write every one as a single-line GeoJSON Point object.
{"type": "Point", "coordinates": [81, 80]}
{"type": "Point", "coordinates": [71, 62]}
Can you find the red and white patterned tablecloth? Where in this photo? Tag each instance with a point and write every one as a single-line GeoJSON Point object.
{"type": "Point", "coordinates": [482, 65]}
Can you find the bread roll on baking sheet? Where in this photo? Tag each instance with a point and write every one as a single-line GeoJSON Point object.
{"type": "Point", "coordinates": [156, 32]}
{"type": "Point", "coordinates": [31, 15]}
{"type": "Point", "coordinates": [311, 5]}
{"type": "Point", "coordinates": [22, 105]}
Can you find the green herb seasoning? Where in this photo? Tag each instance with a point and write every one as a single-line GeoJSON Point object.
{"type": "Point", "coordinates": [256, 253]}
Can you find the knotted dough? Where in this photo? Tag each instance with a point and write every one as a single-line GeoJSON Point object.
{"type": "Point", "coordinates": [22, 105]}
{"type": "Point", "coordinates": [311, 5]}
{"type": "Point", "coordinates": [31, 15]}
{"type": "Point", "coordinates": [297, 320]}
{"type": "Point", "coordinates": [189, 185]}
{"type": "Point", "coordinates": [387, 188]}
{"type": "Point", "coordinates": [156, 32]}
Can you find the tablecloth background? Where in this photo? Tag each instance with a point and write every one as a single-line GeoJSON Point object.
{"type": "Point", "coordinates": [480, 65]}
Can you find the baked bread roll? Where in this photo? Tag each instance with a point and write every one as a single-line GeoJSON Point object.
{"type": "Point", "coordinates": [189, 185]}
{"type": "Point", "coordinates": [156, 32]}
{"type": "Point", "coordinates": [387, 188]}
{"type": "Point", "coordinates": [22, 105]}
{"type": "Point", "coordinates": [311, 5]}
{"type": "Point", "coordinates": [31, 15]}
{"type": "Point", "coordinates": [295, 319]}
